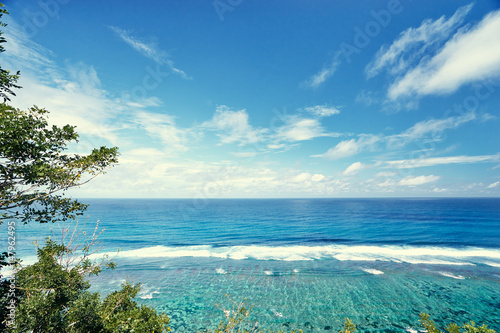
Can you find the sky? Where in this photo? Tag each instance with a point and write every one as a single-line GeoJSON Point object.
{"type": "Point", "coordinates": [261, 99]}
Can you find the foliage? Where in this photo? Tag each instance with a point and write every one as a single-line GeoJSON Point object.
{"type": "Point", "coordinates": [53, 296]}
{"type": "Point", "coordinates": [34, 167]}
{"type": "Point", "coordinates": [121, 314]}
{"type": "Point", "coordinates": [235, 321]}
{"type": "Point", "coordinates": [236, 317]}
{"type": "Point", "coordinates": [471, 327]}
{"type": "Point", "coordinates": [7, 80]}
{"type": "Point", "coordinates": [5, 292]}
{"type": "Point", "coordinates": [349, 327]}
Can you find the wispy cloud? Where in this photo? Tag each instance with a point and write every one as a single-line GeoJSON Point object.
{"type": "Point", "coordinates": [417, 180]}
{"type": "Point", "coordinates": [149, 173]}
{"type": "Point", "coordinates": [471, 55]}
{"type": "Point", "coordinates": [432, 127]}
{"type": "Point", "coordinates": [301, 129]}
{"type": "Point", "coordinates": [325, 73]}
{"type": "Point", "coordinates": [367, 97]}
{"type": "Point", "coordinates": [413, 42]}
{"type": "Point", "coordinates": [386, 174]}
{"type": "Point", "coordinates": [21, 51]}
{"type": "Point", "coordinates": [244, 154]}
{"type": "Point", "coordinates": [149, 50]}
{"type": "Point", "coordinates": [429, 129]}
{"type": "Point", "coordinates": [324, 110]}
{"type": "Point", "coordinates": [73, 95]}
{"type": "Point", "coordinates": [493, 185]}
{"type": "Point", "coordinates": [233, 126]}
{"type": "Point", "coordinates": [432, 161]}
{"type": "Point", "coordinates": [163, 127]}
{"type": "Point", "coordinates": [409, 181]}
{"type": "Point", "coordinates": [354, 168]}
{"type": "Point", "coordinates": [347, 148]}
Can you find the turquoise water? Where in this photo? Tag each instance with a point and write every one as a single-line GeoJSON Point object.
{"type": "Point", "coordinates": [306, 263]}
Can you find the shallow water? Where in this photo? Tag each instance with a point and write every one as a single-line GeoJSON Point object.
{"type": "Point", "coordinates": [306, 263]}
{"type": "Point", "coordinates": [315, 295]}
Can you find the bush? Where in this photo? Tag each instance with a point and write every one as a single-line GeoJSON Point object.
{"type": "Point", "coordinates": [471, 327]}
{"type": "Point", "coordinates": [236, 321]}
{"type": "Point", "coordinates": [52, 296]}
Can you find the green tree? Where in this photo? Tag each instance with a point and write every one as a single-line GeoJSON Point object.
{"type": "Point", "coordinates": [34, 169]}
{"type": "Point", "coordinates": [53, 297]}
{"type": "Point", "coordinates": [34, 172]}
{"type": "Point", "coordinates": [471, 327]}
{"type": "Point", "coordinates": [5, 293]}
{"type": "Point", "coordinates": [349, 326]}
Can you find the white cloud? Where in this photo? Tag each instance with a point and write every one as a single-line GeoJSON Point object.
{"type": "Point", "coordinates": [149, 50]}
{"type": "Point", "coordinates": [163, 126]}
{"type": "Point", "coordinates": [417, 180]}
{"type": "Point", "coordinates": [433, 127]}
{"type": "Point", "coordinates": [367, 97]}
{"type": "Point", "coordinates": [486, 117]}
{"type": "Point", "coordinates": [82, 104]}
{"type": "Point", "coordinates": [139, 103]}
{"type": "Point", "coordinates": [386, 174]}
{"type": "Point", "coordinates": [244, 154]}
{"type": "Point", "coordinates": [387, 183]}
{"type": "Point", "coordinates": [351, 147]}
{"type": "Point", "coordinates": [323, 110]}
{"type": "Point", "coordinates": [22, 52]}
{"type": "Point", "coordinates": [235, 126]}
{"type": "Point", "coordinates": [301, 177]}
{"type": "Point", "coordinates": [495, 184]}
{"type": "Point", "coordinates": [429, 129]}
{"type": "Point", "coordinates": [432, 161]}
{"type": "Point", "coordinates": [276, 146]}
{"type": "Point", "coordinates": [354, 168]}
{"type": "Point", "coordinates": [300, 129]}
{"type": "Point", "coordinates": [413, 42]}
{"type": "Point", "coordinates": [317, 177]}
{"type": "Point", "coordinates": [149, 173]}
{"type": "Point", "coordinates": [471, 55]}
{"type": "Point", "coordinates": [73, 95]}
{"type": "Point", "coordinates": [326, 72]}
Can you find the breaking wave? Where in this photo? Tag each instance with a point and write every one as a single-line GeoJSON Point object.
{"type": "Point", "coordinates": [403, 254]}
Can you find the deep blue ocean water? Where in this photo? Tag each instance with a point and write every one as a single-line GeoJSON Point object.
{"type": "Point", "coordinates": [303, 263]}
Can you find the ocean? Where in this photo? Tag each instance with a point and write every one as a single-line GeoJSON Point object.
{"type": "Point", "coordinates": [302, 263]}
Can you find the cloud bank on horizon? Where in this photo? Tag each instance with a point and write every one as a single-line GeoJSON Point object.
{"type": "Point", "coordinates": [413, 113]}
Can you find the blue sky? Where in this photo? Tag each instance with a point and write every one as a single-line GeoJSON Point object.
{"type": "Point", "coordinates": [240, 98]}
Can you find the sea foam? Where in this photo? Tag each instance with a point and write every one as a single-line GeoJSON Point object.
{"type": "Point", "coordinates": [405, 254]}
{"type": "Point", "coordinates": [372, 271]}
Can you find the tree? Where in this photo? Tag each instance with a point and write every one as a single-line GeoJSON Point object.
{"type": "Point", "coordinates": [471, 327]}
{"type": "Point", "coordinates": [349, 326]}
{"type": "Point", "coordinates": [34, 168]}
{"type": "Point", "coordinates": [53, 296]}
{"type": "Point", "coordinates": [7, 302]}
{"type": "Point", "coordinates": [34, 173]}
{"type": "Point", "coordinates": [7, 80]}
